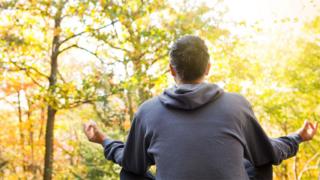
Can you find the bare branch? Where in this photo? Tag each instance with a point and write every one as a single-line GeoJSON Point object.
{"type": "Point", "coordinates": [83, 32]}
{"type": "Point", "coordinates": [3, 98]}
{"type": "Point", "coordinates": [10, 69]}
{"type": "Point", "coordinates": [25, 69]}
{"type": "Point", "coordinates": [84, 49]}
{"type": "Point", "coordinates": [63, 80]}
{"type": "Point", "coordinates": [67, 48]}
{"type": "Point", "coordinates": [157, 59]}
{"type": "Point", "coordinates": [33, 80]}
{"type": "Point", "coordinates": [116, 47]}
{"type": "Point", "coordinates": [80, 102]}
{"type": "Point", "coordinates": [28, 67]}
{"type": "Point", "coordinates": [305, 167]}
{"type": "Point", "coordinates": [115, 30]}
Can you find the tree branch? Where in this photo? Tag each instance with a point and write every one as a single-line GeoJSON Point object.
{"type": "Point", "coordinates": [25, 69]}
{"type": "Point", "coordinates": [63, 80]}
{"type": "Point", "coordinates": [157, 59]}
{"type": "Point", "coordinates": [67, 48]}
{"type": "Point", "coordinates": [28, 67]}
{"type": "Point", "coordinates": [80, 102]}
{"type": "Point", "coordinates": [305, 167]}
{"type": "Point", "coordinates": [115, 47]}
{"type": "Point", "coordinates": [88, 51]}
{"type": "Point", "coordinates": [34, 81]}
{"type": "Point", "coordinates": [84, 49]}
{"type": "Point", "coordinates": [83, 32]}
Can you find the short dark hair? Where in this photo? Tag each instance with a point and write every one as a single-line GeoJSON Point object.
{"type": "Point", "coordinates": [189, 57]}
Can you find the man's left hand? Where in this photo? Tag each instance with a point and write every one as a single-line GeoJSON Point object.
{"type": "Point", "coordinates": [308, 131]}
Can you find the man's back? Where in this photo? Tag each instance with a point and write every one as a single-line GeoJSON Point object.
{"type": "Point", "coordinates": [195, 133]}
{"type": "Point", "coordinates": [198, 132]}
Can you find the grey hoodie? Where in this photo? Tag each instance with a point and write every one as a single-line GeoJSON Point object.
{"type": "Point", "coordinates": [199, 132]}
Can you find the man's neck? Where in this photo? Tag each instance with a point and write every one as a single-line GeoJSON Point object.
{"type": "Point", "coordinates": [199, 81]}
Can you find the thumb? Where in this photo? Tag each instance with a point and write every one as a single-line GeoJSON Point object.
{"type": "Point", "coordinates": [93, 125]}
{"type": "Point", "coordinates": [86, 127]}
{"type": "Point", "coordinates": [305, 124]}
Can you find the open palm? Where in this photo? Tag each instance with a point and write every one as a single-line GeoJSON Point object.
{"type": "Point", "coordinates": [308, 131]}
{"type": "Point", "coordinates": [93, 133]}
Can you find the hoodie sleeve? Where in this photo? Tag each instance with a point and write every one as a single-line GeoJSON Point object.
{"type": "Point", "coordinates": [132, 155]}
{"type": "Point", "coordinates": [263, 150]}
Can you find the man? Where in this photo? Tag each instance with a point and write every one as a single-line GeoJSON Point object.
{"type": "Point", "coordinates": [196, 131]}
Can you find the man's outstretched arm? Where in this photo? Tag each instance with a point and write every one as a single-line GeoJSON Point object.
{"type": "Point", "coordinates": [263, 150]}
{"type": "Point", "coordinates": [132, 155]}
{"type": "Point", "coordinates": [287, 146]}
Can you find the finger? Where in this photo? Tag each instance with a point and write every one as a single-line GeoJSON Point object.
{"type": "Point", "coordinates": [305, 124]}
{"type": "Point", "coordinates": [86, 130]}
{"type": "Point", "coordinates": [315, 125]}
{"type": "Point", "coordinates": [312, 126]}
{"type": "Point", "coordinates": [90, 127]}
{"type": "Point", "coordinates": [316, 128]}
{"type": "Point", "coordinates": [85, 127]}
{"type": "Point", "coordinates": [94, 125]}
{"type": "Point", "coordinates": [91, 123]}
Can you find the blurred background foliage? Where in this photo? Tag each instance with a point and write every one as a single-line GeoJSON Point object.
{"type": "Point", "coordinates": [63, 62]}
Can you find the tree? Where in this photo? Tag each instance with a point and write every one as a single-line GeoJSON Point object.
{"type": "Point", "coordinates": [38, 16]}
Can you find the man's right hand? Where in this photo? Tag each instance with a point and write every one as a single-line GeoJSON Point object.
{"type": "Point", "coordinates": [93, 133]}
{"type": "Point", "coordinates": [308, 131]}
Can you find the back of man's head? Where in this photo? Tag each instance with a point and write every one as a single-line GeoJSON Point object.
{"type": "Point", "coordinates": [189, 57]}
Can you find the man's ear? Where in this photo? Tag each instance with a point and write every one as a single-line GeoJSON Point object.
{"type": "Point", "coordinates": [208, 68]}
{"type": "Point", "coordinates": [173, 71]}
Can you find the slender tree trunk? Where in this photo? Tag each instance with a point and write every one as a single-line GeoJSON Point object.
{"type": "Point", "coordinates": [295, 168]}
{"type": "Point", "coordinates": [319, 171]}
{"type": "Point", "coordinates": [43, 116]}
{"type": "Point", "coordinates": [130, 104]}
{"type": "Point", "coordinates": [51, 109]}
{"type": "Point", "coordinates": [31, 138]}
{"type": "Point", "coordinates": [286, 176]}
{"type": "Point", "coordinates": [21, 131]}
{"type": "Point", "coordinates": [129, 97]}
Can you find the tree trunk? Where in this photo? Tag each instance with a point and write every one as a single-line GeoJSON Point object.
{"type": "Point", "coordinates": [21, 131]}
{"type": "Point", "coordinates": [49, 144]}
{"type": "Point", "coordinates": [295, 167]}
{"type": "Point", "coordinates": [31, 137]}
{"type": "Point", "coordinates": [51, 109]}
{"type": "Point", "coordinates": [42, 119]}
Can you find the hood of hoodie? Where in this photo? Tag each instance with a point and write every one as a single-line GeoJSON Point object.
{"type": "Point", "coordinates": [190, 96]}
